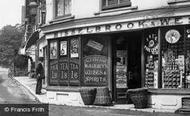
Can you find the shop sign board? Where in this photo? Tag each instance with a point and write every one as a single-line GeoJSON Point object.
{"type": "Point", "coordinates": [95, 70]}
{"type": "Point", "coordinates": [121, 26]}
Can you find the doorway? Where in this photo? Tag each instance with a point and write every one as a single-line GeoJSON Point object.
{"type": "Point", "coordinates": [127, 63]}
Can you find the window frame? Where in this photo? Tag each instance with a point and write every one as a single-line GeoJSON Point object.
{"type": "Point", "coordinates": [56, 9]}
{"type": "Point", "coordinates": [114, 6]}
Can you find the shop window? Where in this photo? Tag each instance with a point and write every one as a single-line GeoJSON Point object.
{"type": "Point", "coordinates": [53, 63]}
{"type": "Point", "coordinates": [74, 63]}
{"type": "Point", "coordinates": [95, 61]}
{"type": "Point", "coordinates": [62, 7]}
{"type": "Point", "coordinates": [64, 63]}
{"type": "Point", "coordinates": [110, 4]}
{"type": "Point", "coordinates": [151, 46]}
{"type": "Point", "coordinates": [187, 58]}
{"type": "Point", "coordinates": [173, 58]}
{"type": "Point", "coordinates": [69, 65]}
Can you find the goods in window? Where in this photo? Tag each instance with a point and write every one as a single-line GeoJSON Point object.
{"type": "Point", "coordinates": [171, 70]}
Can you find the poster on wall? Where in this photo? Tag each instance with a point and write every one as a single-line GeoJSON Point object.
{"type": "Point", "coordinates": [63, 48]}
{"type": "Point", "coordinates": [53, 50]}
{"type": "Point", "coordinates": [74, 50]}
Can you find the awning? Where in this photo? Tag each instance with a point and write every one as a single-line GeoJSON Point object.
{"type": "Point", "coordinates": [32, 39]}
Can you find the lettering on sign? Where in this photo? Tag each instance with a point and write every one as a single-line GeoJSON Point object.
{"type": "Point", "coordinates": [95, 70]}
{"type": "Point", "coordinates": [74, 70]}
{"type": "Point", "coordinates": [147, 23]}
{"type": "Point", "coordinates": [54, 70]}
{"type": "Point", "coordinates": [64, 68]}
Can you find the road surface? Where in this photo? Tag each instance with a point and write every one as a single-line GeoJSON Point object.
{"type": "Point", "coordinates": [11, 92]}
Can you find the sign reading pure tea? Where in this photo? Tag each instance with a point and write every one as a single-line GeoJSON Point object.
{"type": "Point", "coordinates": [95, 70]}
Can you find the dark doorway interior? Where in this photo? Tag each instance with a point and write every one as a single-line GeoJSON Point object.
{"type": "Point", "coordinates": [127, 65]}
{"type": "Point", "coordinates": [134, 60]}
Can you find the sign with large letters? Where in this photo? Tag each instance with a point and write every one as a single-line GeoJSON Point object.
{"type": "Point", "coordinates": [95, 70]}
{"type": "Point", "coordinates": [113, 27]}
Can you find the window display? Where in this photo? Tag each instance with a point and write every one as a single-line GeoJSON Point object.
{"type": "Point", "coordinates": [151, 58]}
{"type": "Point", "coordinates": [95, 61]}
{"type": "Point", "coordinates": [173, 58]}
{"type": "Point", "coordinates": [171, 69]}
{"type": "Point", "coordinates": [187, 59]}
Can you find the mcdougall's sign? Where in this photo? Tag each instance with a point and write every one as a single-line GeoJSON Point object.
{"type": "Point", "coordinates": [122, 26]}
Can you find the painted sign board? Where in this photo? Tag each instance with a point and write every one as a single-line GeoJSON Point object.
{"type": "Point", "coordinates": [95, 70]}
{"type": "Point", "coordinates": [121, 26]}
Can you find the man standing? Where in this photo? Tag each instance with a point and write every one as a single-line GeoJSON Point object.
{"type": "Point", "coordinates": [39, 75]}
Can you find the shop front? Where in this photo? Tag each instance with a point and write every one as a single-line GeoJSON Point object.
{"type": "Point", "coordinates": [126, 55]}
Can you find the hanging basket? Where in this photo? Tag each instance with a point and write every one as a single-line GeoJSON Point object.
{"type": "Point", "coordinates": [139, 97]}
{"type": "Point", "coordinates": [88, 95]}
{"type": "Point", "coordinates": [103, 97]}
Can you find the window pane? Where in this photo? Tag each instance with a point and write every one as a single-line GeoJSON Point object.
{"type": "Point", "coordinates": [63, 48]}
{"type": "Point", "coordinates": [123, 1]}
{"type": "Point", "coordinates": [187, 59]}
{"type": "Point", "coordinates": [173, 57]}
{"type": "Point", "coordinates": [59, 7]}
{"type": "Point", "coordinates": [109, 4]}
{"type": "Point", "coordinates": [112, 2]}
{"type": "Point", "coordinates": [67, 6]}
{"type": "Point", "coordinates": [104, 3]}
{"type": "Point", "coordinates": [95, 60]}
{"type": "Point", "coordinates": [53, 50]}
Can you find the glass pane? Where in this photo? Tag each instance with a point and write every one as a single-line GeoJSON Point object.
{"type": "Point", "coordinates": [53, 50]}
{"type": "Point", "coordinates": [95, 60]}
{"type": "Point", "coordinates": [104, 3]}
{"type": "Point", "coordinates": [123, 1]}
{"type": "Point", "coordinates": [112, 2]}
{"type": "Point", "coordinates": [151, 46]}
{"type": "Point", "coordinates": [173, 57]}
{"type": "Point", "coordinates": [74, 48]}
{"type": "Point", "coordinates": [63, 48]}
{"type": "Point", "coordinates": [59, 7]}
{"type": "Point", "coordinates": [67, 6]}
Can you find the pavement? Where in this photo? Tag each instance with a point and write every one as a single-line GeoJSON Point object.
{"type": "Point", "coordinates": [30, 84]}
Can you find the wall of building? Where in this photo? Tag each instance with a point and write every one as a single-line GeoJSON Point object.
{"type": "Point", "coordinates": [149, 4]}
{"type": "Point", "coordinates": [49, 10]}
{"type": "Point", "coordinates": [84, 9]}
